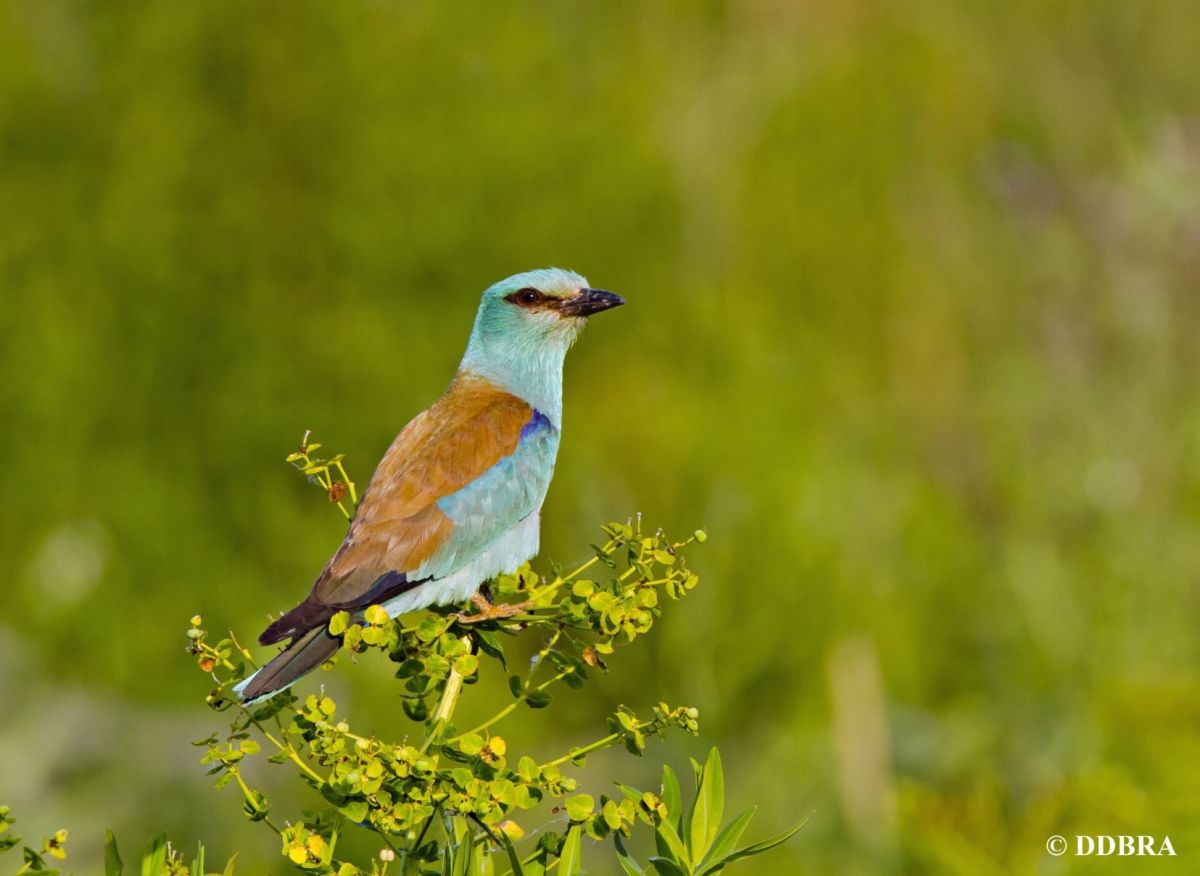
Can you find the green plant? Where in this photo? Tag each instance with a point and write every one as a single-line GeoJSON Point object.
{"type": "Point", "coordinates": [450, 803]}
{"type": "Point", "coordinates": [321, 472]}
{"type": "Point", "coordinates": [160, 859]}
{"type": "Point", "coordinates": [53, 847]}
{"type": "Point", "coordinates": [694, 842]}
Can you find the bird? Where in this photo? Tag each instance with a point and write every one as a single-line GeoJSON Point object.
{"type": "Point", "coordinates": [456, 499]}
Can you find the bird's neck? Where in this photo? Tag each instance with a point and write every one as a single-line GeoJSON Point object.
{"type": "Point", "coordinates": [533, 372]}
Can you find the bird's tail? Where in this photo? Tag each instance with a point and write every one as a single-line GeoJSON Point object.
{"type": "Point", "coordinates": [302, 656]}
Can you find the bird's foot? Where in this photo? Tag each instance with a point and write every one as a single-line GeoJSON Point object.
{"type": "Point", "coordinates": [487, 611]}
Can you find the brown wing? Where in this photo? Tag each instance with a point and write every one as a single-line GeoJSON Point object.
{"type": "Point", "coordinates": [398, 524]}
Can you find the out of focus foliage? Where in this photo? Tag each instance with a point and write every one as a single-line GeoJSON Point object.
{"type": "Point", "coordinates": [41, 859]}
{"type": "Point", "coordinates": [158, 859]}
{"type": "Point", "coordinates": [912, 324]}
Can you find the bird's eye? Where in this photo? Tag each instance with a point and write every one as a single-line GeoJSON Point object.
{"type": "Point", "coordinates": [526, 296]}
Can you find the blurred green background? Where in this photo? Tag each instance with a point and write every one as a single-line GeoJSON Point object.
{"type": "Point", "coordinates": [914, 329]}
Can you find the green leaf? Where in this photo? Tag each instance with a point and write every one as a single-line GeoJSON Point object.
{"type": "Point", "coordinates": [667, 867]}
{"type": "Point", "coordinates": [579, 807]}
{"type": "Point", "coordinates": [571, 854]}
{"type": "Point", "coordinates": [760, 847]}
{"type": "Point", "coordinates": [537, 867]}
{"type": "Point", "coordinates": [35, 863]}
{"type": "Point", "coordinates": [513, 860]}
{"type": "Point", "coordinates": [154, 859]}
{"type": "Point", "coordinates": [466, 857]}
{"type": "Point", "coordinates": [113, 866]}
{"type": "Point", "coordinates": [464, 847]}
{"type": "Point", "coordinates": [485, 865]}
{"type": "Point", "coordinates": [611, 814]}
{"type": "Point", "coordinates": [674, 844]}
{"type": "Point", "coordinates": [527, 768]}
{"type": "Point", "coordinates": [630, 792]}
{"type": "Point", "coordinates": [228, 871]}
{"type": "Point", "coordinates": [489, 643]}
{"type": "Point", "coordinates": [628, 864]}
{"type": "Point", "coordinates": [728, 838]}
{"type": "Point", "coordinates": [537, 699]}
{"type": "Point", "coordinates": [415, 709]}
{"type": "Point", "coordinates": [354, 810]}
{"type": "Point", "coordinates": [471, 744]}
{"type": "Point", "coordinates": [672, 798]}
{"type": "Point", "coordinates": [338, 623]}
{"type": "Point", "coordinates": [709, 806]}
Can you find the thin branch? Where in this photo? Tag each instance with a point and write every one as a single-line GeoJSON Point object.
{"type": "Point", "coordinates": [445, 708]}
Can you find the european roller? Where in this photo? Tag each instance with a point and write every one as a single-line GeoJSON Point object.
{"type": "Point", "coordinates": [456, 499]}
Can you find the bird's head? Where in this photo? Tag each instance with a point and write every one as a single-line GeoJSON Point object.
{"type": "Point", "coordinates": [527, 322]}
{"type": "Point", "coordinates": [536, 312]}
{"type": "Point", "coordinates": [536, 308]}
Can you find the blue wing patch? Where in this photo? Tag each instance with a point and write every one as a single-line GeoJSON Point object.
{"type": "Point", "coordinates": [498, 499]}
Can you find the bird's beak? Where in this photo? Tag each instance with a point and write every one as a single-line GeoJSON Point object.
{"type": "Point", "coordinates": [589, 301]}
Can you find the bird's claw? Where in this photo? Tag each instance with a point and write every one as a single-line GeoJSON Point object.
{"type": "Point", "coordinates": [487, 611]}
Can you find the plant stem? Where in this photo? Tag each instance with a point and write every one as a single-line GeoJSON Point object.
{"type": "Point", "coordinates": [249, 795]}
{"type": "Point", "coordinates": [387, 842]}
{"type": "Point", "coordinates": [416, 844]}
{"type": "Point", "coordinates": [292, 753]}
{"type": "Point", "coordinates": [449, 700]}
{"type": "Point", "coordinates": [531, 858]}
{"type": "Point", "coordinates": [245, 653]}
{"type": "Point", "coordinates": [563, 579]}
{"type": "Point", "coordinates": [576, 753]}
{"type": "Point", "coordinates": [503, 713]}
{"type": "Point", "coordinates": [349, 483]}
{"type": "Point", "coordinates": [507, 710]}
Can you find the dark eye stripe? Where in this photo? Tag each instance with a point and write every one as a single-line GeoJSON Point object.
{"type": "Point", "coordinates": [525, 297]}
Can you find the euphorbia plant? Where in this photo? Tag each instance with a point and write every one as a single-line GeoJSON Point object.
{"type": "Point", "coordinates": [458, 800]}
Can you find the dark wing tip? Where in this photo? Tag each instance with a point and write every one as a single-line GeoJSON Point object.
{"type": "Point", "coordinates": [272, 634]}
{"type": "Point", "coordinates": [299, 658]}
{"type": "Point", "coordinates": [299, 620]}
{"type": "Point", "coordinates": [312, 613]}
